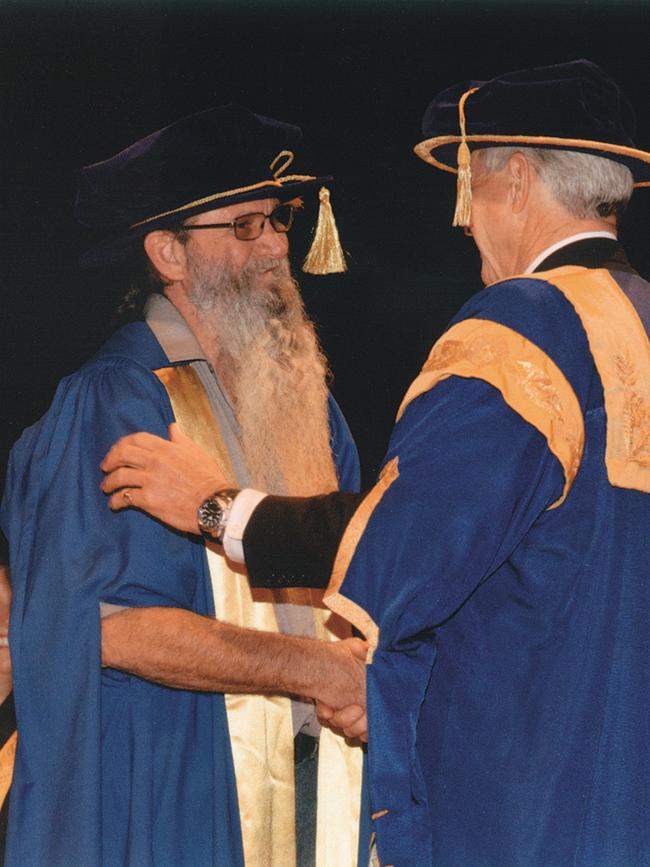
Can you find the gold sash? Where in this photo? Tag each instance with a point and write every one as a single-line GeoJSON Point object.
{"type": "Point", "coordinates": [621, 352]}
{"type": "Point", "coordinates": [7, 759]}
{"type": "Point", "coordinates": [260, 727]}
{"type": "Point", "coordinates": [528, 380]}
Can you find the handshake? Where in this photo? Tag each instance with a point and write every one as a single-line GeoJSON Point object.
{"type": "Point", "coordinates": [341, 699]}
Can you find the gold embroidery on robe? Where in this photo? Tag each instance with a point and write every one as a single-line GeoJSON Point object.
{"type": "Point", "coordinates": [528, 380]}
{"type": "Point", "coordinates": [621, 352]}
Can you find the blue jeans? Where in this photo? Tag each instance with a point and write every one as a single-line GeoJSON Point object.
{"type": "Point", "coordinates": [306, 782]}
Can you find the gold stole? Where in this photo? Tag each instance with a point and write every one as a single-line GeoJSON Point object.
{"type": "Point", "coordinates": [260, 727]}
{"type": "Point", "coordinates": [7, 759]}
{"type": "Point", "coordinates": [621, 352]}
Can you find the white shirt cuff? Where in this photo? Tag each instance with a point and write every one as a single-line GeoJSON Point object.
{"type": "Point", "coordinates": [243, 507]}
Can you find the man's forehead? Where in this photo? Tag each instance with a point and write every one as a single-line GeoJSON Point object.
{"type": "Point", "coordinates": [230, 212]}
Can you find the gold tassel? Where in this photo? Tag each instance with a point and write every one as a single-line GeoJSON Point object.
{"type": "Point", "coordinates": [463, 210]}
{"type": "Point", "coordinates": [325, 255]}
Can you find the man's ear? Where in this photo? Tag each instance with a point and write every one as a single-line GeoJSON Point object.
{"type": "Point", "coordinates": [519, 177]}
{"type": "Point", "coordinates": [167, 255]}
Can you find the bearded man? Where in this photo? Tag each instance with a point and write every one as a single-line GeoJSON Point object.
{"type": "Point", "coordinates": [153, 764]}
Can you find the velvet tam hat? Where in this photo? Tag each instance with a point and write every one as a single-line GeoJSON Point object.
{"type": "Point", "coordinates": [569, 106]}
{"type": "Point", "coordinates": [217, 157]}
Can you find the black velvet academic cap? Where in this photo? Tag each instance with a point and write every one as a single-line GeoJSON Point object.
{"type": "Point", "coordinates": [205, 161]}
{"type": "Point", "coordinates": [569, 106]}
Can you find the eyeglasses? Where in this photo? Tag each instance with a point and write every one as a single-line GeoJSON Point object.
{"type": "Point", "coordinates": [249, 227]}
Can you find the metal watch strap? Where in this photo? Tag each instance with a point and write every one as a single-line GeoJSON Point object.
{"type": "Point", "coordinates": [213, 513]}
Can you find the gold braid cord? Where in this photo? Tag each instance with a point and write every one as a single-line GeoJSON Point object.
{"type": "Point", "coordinates": [278, 180]}
{"type": "Point", "coordinates": [463, 212]}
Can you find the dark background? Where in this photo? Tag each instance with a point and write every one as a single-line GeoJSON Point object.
{"type": "Point", "coordinates": [81, 80]}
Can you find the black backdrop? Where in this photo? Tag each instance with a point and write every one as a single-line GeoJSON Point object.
{"type": "Point", "coordinates": [80, 80]}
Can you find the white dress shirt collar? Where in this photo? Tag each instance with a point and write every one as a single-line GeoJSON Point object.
{"type": "Point", "coordinates": [580, 236]}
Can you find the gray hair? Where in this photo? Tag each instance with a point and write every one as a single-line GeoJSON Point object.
{"type": "Point", "coordinates": [587, 186]}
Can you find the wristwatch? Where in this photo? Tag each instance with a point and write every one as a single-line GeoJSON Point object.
{"type": "Point", "coordinates": [212, 515]}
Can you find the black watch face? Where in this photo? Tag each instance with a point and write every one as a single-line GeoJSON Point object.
{"type": "Point", "coordinates": [209, 514]}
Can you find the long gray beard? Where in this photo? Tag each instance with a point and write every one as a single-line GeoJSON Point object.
{"type": "Point", "coordinates": [270, 357]}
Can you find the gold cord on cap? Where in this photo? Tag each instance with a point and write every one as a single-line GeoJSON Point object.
{"type": "Point", "coordinates": [285, 165]}
{"type": "Point", "coordinates": [326, 254]}
{"type": "Point", "coordinates": [463, 211]}
{"type": "Point", "coordinates": [278, 180]}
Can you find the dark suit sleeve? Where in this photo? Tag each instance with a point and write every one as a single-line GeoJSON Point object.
{"type": "Point", "coordinates": [292, 541]}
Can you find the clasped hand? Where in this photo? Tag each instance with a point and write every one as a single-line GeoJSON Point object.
{"type": "Point", "coordinates": [351, 720]}
{"type": "Point", "coordinates": [333, 704]}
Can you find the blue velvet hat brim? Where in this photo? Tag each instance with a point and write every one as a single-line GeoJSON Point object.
{"type": "Point", "coordinates": [569, 106]}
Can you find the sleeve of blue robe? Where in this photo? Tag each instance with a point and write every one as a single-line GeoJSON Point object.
{"type": "Point", "coordinates": [472, 478]}
{"type": "Point", "coordinates": [113, 769]}
{"type": "Point", "coordinates": [344, 450]}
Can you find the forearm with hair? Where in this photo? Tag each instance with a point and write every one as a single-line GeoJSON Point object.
{"type": "Point", "coordinates": [181, 649]}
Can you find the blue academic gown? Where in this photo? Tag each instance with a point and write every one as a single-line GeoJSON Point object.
{"type": "Point", "coordinates": [111, 769]}
{"type": "Point", "coordinates": [509, 694]}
